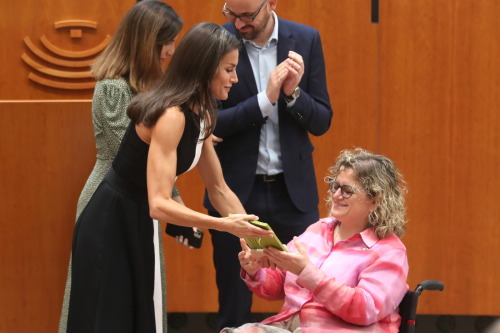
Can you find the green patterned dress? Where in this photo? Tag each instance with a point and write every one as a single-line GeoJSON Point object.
{"type": "Point", "coordinates": [109, 105]}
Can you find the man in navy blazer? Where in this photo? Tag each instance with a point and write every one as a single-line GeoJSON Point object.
{"type": "Point", "coordinates": [264, 126]}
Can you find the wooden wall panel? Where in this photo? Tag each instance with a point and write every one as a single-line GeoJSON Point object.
{"type": "Point", "coordinates": [350, 43]}
{"type": "Point", "coordinates": [34, 19]}
{"type": "Point", "coordinates": [46, 151]}
{"type": "Point", "coordinates": [440, 95]}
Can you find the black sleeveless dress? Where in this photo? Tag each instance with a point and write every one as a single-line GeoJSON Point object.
{"type": "Point", "coordinates": [113, 251]}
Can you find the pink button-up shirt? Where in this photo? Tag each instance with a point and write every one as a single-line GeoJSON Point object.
{"type": "Point", "coordinates": [354, 286]}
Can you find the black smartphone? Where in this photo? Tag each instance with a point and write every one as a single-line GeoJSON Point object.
{"type": "Point", "coordinates": [194, 237]}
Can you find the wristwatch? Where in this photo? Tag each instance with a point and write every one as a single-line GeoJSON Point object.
{"type": "Point", "coordinates": [293, 96]}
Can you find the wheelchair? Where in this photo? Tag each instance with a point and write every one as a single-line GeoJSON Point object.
{"type": "Point", "coordinates": [408, 306]}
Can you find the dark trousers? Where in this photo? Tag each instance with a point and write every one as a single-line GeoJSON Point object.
{"type": "Point", "coordinates": [272, 204]}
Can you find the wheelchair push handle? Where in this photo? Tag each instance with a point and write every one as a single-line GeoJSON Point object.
{"type": "Point", "coordinates": [429, 285]}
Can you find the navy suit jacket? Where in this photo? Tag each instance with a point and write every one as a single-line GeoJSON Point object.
{"type": "Point", "coordinates": [239, 120]}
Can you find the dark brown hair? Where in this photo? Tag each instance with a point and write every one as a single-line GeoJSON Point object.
{"type": "Point", "coordinates": [186, 83]}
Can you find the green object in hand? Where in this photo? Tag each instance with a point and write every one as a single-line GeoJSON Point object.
{"type": "Point", "coordinates": [256, 243]}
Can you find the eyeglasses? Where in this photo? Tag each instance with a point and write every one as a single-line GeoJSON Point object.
{"type": "Point", "coordinates": [346, 190]}
{"type": "Point", "coordinates": [245, 18]}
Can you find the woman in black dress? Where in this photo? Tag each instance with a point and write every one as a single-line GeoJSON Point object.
{"type": "Point", "coordinates": [113, 272]}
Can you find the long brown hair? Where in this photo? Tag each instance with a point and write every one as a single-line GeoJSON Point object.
{"type": "Point", "coordinates": [186, 83]}
{"type": "Point", "coordinates": [134, 50]}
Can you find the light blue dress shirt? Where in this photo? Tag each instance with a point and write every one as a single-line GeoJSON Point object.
{"type": "Point", "coordinates": [264, 60]}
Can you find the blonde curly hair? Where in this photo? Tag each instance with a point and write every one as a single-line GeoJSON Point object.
{"type": "Point", "coordinates": [382, 182]}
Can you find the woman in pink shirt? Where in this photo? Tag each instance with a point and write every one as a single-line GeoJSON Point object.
{"type": "Point", "coordinates": [345, 273]}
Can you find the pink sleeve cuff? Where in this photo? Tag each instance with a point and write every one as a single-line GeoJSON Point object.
{"type": "Point", "coordinates": [310, 277]}
{"type": "Point", "coordinates": [252, 282]}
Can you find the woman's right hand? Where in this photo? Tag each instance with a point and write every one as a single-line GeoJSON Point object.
{"type": "Point", "coordinates": [238, 225]}
{"type": "Point", "coordinates": [249, 260]}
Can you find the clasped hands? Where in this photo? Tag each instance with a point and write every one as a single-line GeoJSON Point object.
{"type": "Point", "coordinates": [285, 77]}
{"type": "Point", "coordinates": [252, 260]}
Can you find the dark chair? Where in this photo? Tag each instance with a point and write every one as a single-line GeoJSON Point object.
{"type": "Point", "coordinates": [408, 306]}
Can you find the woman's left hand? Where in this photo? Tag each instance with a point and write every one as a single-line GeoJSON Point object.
{"type": "Point", "coordinates": [184, 241]}
{"type": "Point", "coordinates": [291, 262]}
